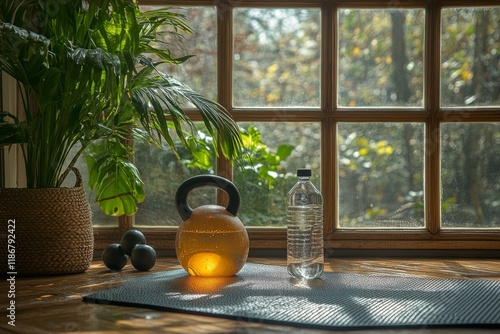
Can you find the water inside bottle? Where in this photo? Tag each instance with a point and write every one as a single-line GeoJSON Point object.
{"type": "Point", "coordinates": [305, 241]}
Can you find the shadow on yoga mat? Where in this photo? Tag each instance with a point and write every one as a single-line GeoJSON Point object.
{"type": "Point", "coordinates": [265, 293]}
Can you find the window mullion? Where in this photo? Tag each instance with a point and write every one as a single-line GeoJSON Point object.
{"type": "Point", "coordinates": [432, 97]}
{"type": "Point", "coordinates": [127, 222]}
{"type": "Point", "coordinates": [224, 79]}
{"type": "Point", "coordinates": [328, 128]}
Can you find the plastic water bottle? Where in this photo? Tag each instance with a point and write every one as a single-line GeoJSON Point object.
{"type": "Point", "coordinates": [305, 256]}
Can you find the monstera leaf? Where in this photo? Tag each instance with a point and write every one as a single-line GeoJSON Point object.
{"type": "Point", "coordinates": [116, 180]}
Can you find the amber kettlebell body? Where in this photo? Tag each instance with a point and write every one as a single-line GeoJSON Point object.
{"type": "Point", "coordinates": [211, 241]}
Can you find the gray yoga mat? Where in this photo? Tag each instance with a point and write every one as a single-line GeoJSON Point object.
{"type": "Point", "coordinates": [265, 293]}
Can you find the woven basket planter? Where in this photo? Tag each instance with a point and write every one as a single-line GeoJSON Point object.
{"type": "Point", "coordinates": [51, 229]}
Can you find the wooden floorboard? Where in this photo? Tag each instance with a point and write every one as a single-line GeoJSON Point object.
{"type": "Point", "coordinates": [54, 304]}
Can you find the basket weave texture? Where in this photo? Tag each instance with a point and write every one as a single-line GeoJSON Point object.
{"type": "Point", "coordinates": [52, 230]}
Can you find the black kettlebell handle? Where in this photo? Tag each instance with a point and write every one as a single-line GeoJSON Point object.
{"type": "Point", "coordinates": [199, 181]}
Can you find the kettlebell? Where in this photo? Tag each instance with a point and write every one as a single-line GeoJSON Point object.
{"type": "Point", "coordinates": [211, 241]}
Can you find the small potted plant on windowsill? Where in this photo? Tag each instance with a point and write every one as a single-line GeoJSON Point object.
{"type": "Point", "coordinates": [87, 73]}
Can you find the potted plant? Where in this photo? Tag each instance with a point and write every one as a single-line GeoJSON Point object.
{"type": "Point", "coordinates": [87, 73]}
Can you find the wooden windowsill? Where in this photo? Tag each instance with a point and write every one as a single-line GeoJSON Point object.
{"type": "Point", "coordinates": [54, 304]}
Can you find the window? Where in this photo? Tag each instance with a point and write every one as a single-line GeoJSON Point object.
{"type": "Point", "coordinates": [394, 105]}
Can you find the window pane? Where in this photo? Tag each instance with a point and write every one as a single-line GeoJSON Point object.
{"type": "Point", "coordinates": [200, 71]}
{"type": "Point", "coordinates": [276, 57]}
{"type": "Point", "coordinates": [381, 175]}
{"type": "Point", "coordinates": [275, 151]}
{"type": "Point", "coordinates": [470, 57]}
{"type": "Point", "coordinates": [470, 175]}
{"type": "Point", "coordinates": [163, 173]}
{"type": "Point", "coordinates": [380, 57]}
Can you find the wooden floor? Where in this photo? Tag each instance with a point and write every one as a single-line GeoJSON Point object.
{"type": "Point", "coordinates": [54, 304]}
